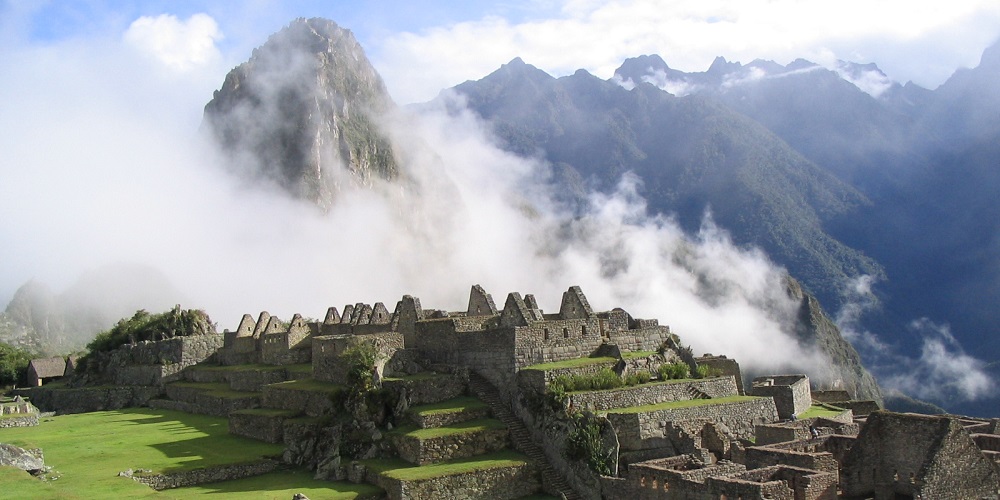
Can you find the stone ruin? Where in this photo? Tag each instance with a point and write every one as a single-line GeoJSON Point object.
{"type": "Point", "coordinates": [714, 443]}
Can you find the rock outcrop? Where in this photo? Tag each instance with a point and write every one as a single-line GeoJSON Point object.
{"type": "Point", "coordinates": [303, 112]}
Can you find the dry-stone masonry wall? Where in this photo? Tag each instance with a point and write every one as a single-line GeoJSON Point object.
{"type": "Point", "coordinates": [740, 417]}
{"type": "Point", "coordinates": [648, 394]}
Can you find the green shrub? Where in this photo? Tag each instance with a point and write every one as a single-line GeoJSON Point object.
{"type": "Point", "coordinates": [360, 360]}
{"type": "Point", "coordinates": [13, 364]}
{"type": "Point", "coordinates": [584, 443]}
{"type": "Point", "coordinates": [606, 378]}
{"type": "Point", "coordinates": [638, 378]}
{"type": "Point", "coordinates": [705, 371]}
{"type": "Point", "coordinates": [674, 371]}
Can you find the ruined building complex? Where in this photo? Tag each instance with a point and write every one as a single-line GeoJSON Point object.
{"type": "Point", "coordinates": [580, 403]}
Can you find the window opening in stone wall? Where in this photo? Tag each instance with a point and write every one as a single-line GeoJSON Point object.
{"type": "Point", "coordinates": [583, 331]}
{"type": "Point", "coordinates": [565, 333]}
{"type": "Point", "coordinates": [545, 333]}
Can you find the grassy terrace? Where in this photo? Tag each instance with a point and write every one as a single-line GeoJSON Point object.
{"type": "Point", "coordinates": [307, 384]}
{"type": "Point", "coordinates": [238, 368]}
{"type": "Point", "coordinates": [647, 384]}
{"type": "Point", "coordinates": [398, 469]}
{"type": "Point", "coordinates": [415, 377]}
{"type": "Point", "coordinates": [571, 363]}
{"type": "Point", "coordinates": [88, 450]}
{"type": "Point", "coordinates": [637, 354]}
{"type": "Point", "coordinates": [267, 412]}
{"type": "Point", "coordinates": [450, 406]}
{"type": "Point", "coordinates": [673, 405]}
{"type": "Point", "coordinates": [480, 424]}
{"type": "Point", "coordinates": [821, 410]}
{"type": "Point", "coordinates": [220, 389]}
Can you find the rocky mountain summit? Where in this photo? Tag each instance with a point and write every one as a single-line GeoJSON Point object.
{"type": "Point", "coordinates": [303, 113]}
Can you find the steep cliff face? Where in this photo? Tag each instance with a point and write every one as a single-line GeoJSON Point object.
{"type": "Point", "coordinates": [814, 328]}
{"type": "Point", "coordinates": [303, 113]}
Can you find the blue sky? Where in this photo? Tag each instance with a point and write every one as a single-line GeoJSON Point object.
{"type": "Point", "coordinates": [422, 47]}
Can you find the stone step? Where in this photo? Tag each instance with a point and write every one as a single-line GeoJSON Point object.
{"type": "Point", "coordinates": [522, 438]}
{"type": "Point", "coordinates": [262, 424]}
{"type": "Point", "coordinates": [452, 411]}
{"type": "Point", "coordinates": [501, 475]}
{"type": "Point", "coordinates": [210, 398]}
{"type": "Point", "coordinates": [461, 440]}
{"type": "Point", "coordinates": [308, 396]}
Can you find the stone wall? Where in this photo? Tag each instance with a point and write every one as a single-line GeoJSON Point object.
{"type": "Point", "coordinates": [778, 483]}
{"type": "Point", "coordinates": [287, 397]}
{"type": "Point", "coordinates": [154, 363]}
{"type": "Point", "coordinates": [556, 340]}
{"type": "Point", "coordinates": [492, 484]}
{"type": "Point", "coordinates": [490, 353]}
{"type": "Point", "coordinates": [202, 476]}
{"type": "Point", "coordinates": [432, 420]}
{"type": "Point", "coordinates": [462, 445]}
{"type": "Point", "coordinates": [790, 392]}
{"type": "Point", "coordinates": [654, 393]}
{"type": "Point", "coordinates": [245, 380]}
{"type": "Point", "coordinates": [89, 399]}
{"type": "Point", "coordinates": [766, 456]}
{"type": "Point", "coordinates": [648, 338]}
{"type": "Point", "coordinates": [25, 420]}
{"type": "Point", "coordinates": [327, 351]}
{"type": "Point", "coordinates": [539, 380]}
{"type": "Point", "coordinates": [262, 426]}
{"type": "Point", "coordinates": [740, 417]}
{"type": "Point", "coordinates": [429, 387]}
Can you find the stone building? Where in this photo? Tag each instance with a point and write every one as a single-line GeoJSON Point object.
{"type": "Point", "coordinates": [790, 392]}
{"type": "Point", "coordinates": [905, 455]}
{"type": "Point", "coordinates": [44, 370]}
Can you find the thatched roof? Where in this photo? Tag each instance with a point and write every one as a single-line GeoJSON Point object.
{"type": "Point", "coordinates": [48, 367]}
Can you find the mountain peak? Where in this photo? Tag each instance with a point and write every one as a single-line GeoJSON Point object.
{"type": "Point", "coordinates": [304, 110]}
{"type": "Point", "coordinates": [991, 57]}
{"type": "Point", "coordinates": [720, 66]}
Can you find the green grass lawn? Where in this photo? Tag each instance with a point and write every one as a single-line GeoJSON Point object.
{"type": "Point", "coordinates": [821, 410]}
{"type": "Point", "coordinates": [398, 469]}
{"type": "Point", "coordinates": [415, 377]}
{"type": "Point", "coordinates": [671, 405]}
{"type": "Point", "coordinates": [307, 384]}
{"type": "Point", "coordinates": [479, 424]}
{"type": "Point", "coordinates": [463, 403]}
{"type": "Point", "coordinates": [88, 450]}
{"type": "Point", "coordinates": [572, 363]}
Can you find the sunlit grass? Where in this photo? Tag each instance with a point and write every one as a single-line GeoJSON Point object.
{"type": "Point", "coordinates": [88, 450]}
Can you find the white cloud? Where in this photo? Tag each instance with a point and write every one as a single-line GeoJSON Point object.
{"type": "Point", "coordinates": [943, 372]}
{"type": "Point", "coordinates": [180, 45]}
{"type": "Point", "coordinates": [598, 36]}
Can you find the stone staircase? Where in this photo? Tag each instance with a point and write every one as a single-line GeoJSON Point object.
{"type": "Point", "coordinates": [521, 436]}
{"type": "Point", "coordinates": [696, 393]}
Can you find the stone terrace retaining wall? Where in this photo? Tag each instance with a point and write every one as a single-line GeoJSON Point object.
{"type": "Point", "coordinates": [739, 416]}
{"type": "Point", "coordinates": [433, 389]}
{"type": "Point", "coordinates": [247, 380]}
{"type": "Point", "coordinates": [152, 363]}
{"type": "Point", "coordinates": [447, 418]}
{"type": "Point", "coordinates": [311, 402]}
{"type": "Point", "coordinates": [269, 428]}
{"type": "Point", "coordinates": [202, 476]}
{"type": "Point", "coordinates": [649, 394]}
{"type": "Point", "coordinates": [89, 399]}
{"type": "Point", "coordinates": [30, 420]}
{"type": "Point", "coordinates": [539, 380]}
{"type": "Point", "coordinates": [462, 445]}
{"type": "Point", "coordinates": [493, 484]}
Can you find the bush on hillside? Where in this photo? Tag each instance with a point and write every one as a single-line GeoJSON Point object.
{"type": "Point", "coordinates": [13, 364]}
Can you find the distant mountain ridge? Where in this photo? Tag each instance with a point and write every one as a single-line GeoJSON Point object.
{"type": "Point", "coordinates": [835, 172]}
